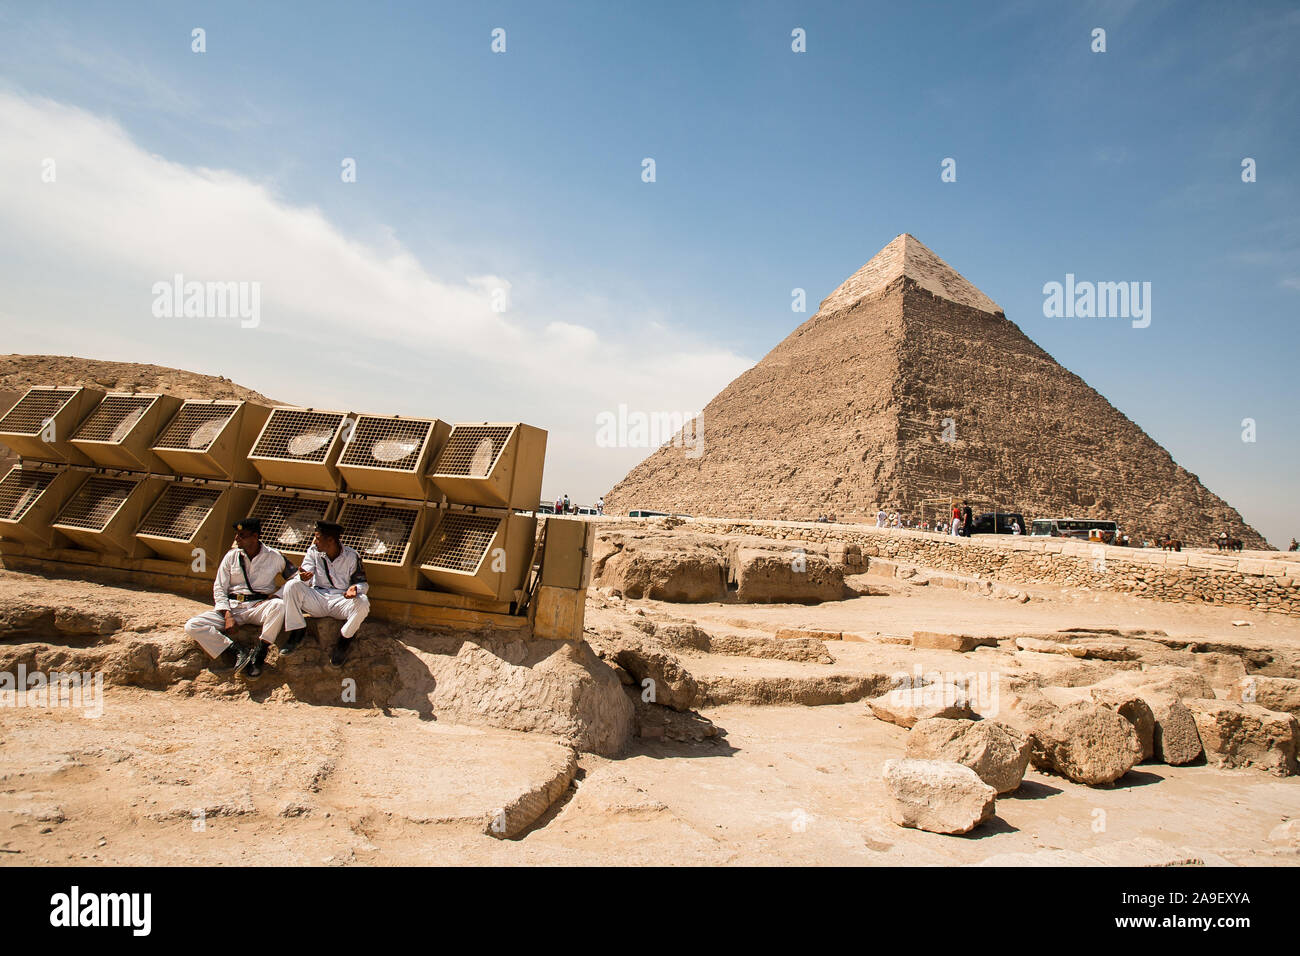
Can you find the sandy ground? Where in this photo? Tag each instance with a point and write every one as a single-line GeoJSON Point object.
{"type": "Point", "coordinates": [161, 778]}
{"type": "Point", "coordinates": [233, 782]}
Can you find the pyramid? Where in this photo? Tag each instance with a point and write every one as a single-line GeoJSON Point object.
{"type": "Point", "coordinates": [910, 388]}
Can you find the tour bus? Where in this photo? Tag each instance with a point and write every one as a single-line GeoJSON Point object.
{"type": "Point", "coordinates": [1086, 528]}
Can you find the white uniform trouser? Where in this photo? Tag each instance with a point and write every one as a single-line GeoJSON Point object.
{"type": "Point", "coordinates": [206, 628]}
{"type": "Point", "coordinates": [301, 598]}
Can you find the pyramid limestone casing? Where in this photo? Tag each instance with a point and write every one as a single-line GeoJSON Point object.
{"type": "Point", "coordinates": [847, 415]}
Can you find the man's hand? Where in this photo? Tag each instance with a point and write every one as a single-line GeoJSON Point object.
{"type": "Point", "coordinates": [350, 592]}
{"type": "Point", "coordinates": [230, 622]}
{"type": "Point", "coordinates": [306, 575]}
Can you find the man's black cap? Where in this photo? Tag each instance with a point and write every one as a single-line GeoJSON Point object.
{"type": "Point", "coordinates": [330, 529]}
{"type": "Point", "coordinates": [249, 524]}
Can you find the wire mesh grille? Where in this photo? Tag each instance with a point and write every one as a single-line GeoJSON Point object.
{"type": "Point", "coordinates": [180, 512]}
{"type": "Point", "coordinates": [95, 504]}
{"type": "Point", "coordinates": [34, 409]}
{"type": "Point", "coordinates": [460, 542]}
{"type": "Point", "coordinates": [288, 522]}
{"type": "Point", "coordinates": [113, 420]}
{"type": "Point", "coordinates": [380, 535]}
{"type": "Point", "coordinates": [296, 434]}
{"type": "Point", "coordinates": [472, 450]}
{"type": "Point", "coordinates": [196, 426]}
{"type": "Point", "coordinates": [19, 491]}
{"type": "Point", "coordinates": [392, 443]}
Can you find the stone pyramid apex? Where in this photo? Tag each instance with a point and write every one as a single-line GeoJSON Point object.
{"type": "Point", "coordinates": [906, 255]}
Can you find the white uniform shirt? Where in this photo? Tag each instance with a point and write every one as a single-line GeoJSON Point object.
{"type": "Point", "coordinates": [338, 575]}
{"type": "Point", "coordinates": [263, 569]}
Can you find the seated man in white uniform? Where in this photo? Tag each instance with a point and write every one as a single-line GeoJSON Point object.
{"type": "Point", "coordinates": [244, 592]}
{"type": "Point", "coordinates": [330, 583]}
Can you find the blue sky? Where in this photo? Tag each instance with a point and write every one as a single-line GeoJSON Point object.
{"type": "Point", "coordinates": [775, 170]}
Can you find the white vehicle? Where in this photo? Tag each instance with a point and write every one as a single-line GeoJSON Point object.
{"type": "Point", "coordinates": [1086, 528]}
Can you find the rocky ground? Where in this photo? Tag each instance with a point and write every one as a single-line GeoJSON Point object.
{"type": "Point", "coordinates": [757, 748]}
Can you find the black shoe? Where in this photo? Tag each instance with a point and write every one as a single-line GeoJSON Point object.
{"type": "Point", "coordinates": [340, 653]}
{"type": "Point", "coordinates": [256, 658]}
{"type": "Point", "coordinates": [225, 662]}
{"type": "Point", "coordinates": [294, 641]}
{"type": "Point", "coordinates": [243, 657]}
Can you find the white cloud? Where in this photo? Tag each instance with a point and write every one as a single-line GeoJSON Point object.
{"type": "Point", "coordinates": [343, 322]}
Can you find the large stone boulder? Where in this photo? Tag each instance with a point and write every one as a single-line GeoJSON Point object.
{"type": "Point", "coordinates": [685, 576]}
{"type": "Point", "coordinates": [1176, 741]}
{"type": "Point", "coordinates": [1135, 709]}
{"type": "Point", "coordinates": [906, 705]}
{"type": "Point", "coordinates": [1271, 693]}
{"type": "Point", "coordinates": [1246, 735]}
{"type": "Point", "coordinates": [551, 687]}
{"type": "Point", "coordinates": [937, 795]}
{"type": "Point", "coordinates": [766, 577]}
{"type": "Point", "coordinates": [1086, 743]}
{"type": "Point", "coordinates": [998, 754]}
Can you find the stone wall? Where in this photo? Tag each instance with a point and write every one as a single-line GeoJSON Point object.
{"type": "Point", "coordinates": [1264, 581]}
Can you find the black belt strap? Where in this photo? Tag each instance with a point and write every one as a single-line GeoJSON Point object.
{"type": "Point", "coordinates": [255, 595]}
{"type": "Point", "coordinates": [328, 577]}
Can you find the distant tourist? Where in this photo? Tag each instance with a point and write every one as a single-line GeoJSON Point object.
{"type": "Point", "coordinates": [559, 506]}
{"type": "Point", "coordinates": [880, 518]}
{"type": "Point", "coordinates": [1015, 526]}
{"type": "Point", "coordinates": [965, 519]}
{"type": "Point", "coordinates": [1295, 545]}
{"type": "Point", "coordinates": [566, 504]}
{"type": "Point", "coordinates": [600, 505]}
